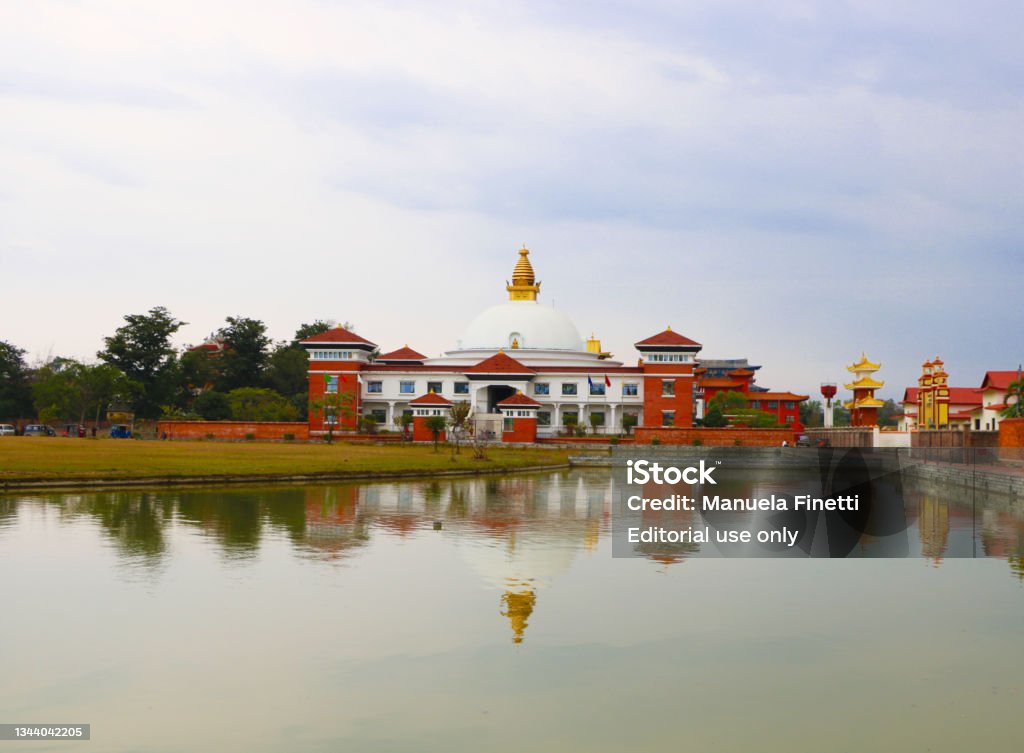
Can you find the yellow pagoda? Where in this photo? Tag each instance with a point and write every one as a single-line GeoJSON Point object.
{"type": "Point", "coordinates": [864, 406]}
{"type": "Point", "coordinates": [933, 395]}
{"type": "Point", "coordinates": [523, 287]}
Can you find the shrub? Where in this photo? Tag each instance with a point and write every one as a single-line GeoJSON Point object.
{"type": "Point", "coordinates": [212, 406]}
{"type": "Point", "coordinates": [258, 404]}
{"type": "Point", "coordinates": [209, 435]}
{"type": "Point", "coordinates": [613, 440]}
{"type": "Point", "coordinates": [250, 435]}
{"type": "Point", "coordinates": [655, 440]}
{"type": "Point", "coordinates": [698, 442]}
{"type": "Point", "coordinates": [289, 437]}
{"type": "Point", "coordinates": [737, 442]}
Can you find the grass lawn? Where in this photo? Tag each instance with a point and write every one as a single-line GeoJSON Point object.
{"type": "Point", "coordinates": [63, 459]}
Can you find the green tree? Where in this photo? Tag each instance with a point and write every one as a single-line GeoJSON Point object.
{"type": "Point", "coordinates": [405, 421]}
{"type": "Point", "coordinates": [458, 418]}
{"type": "Point", "coordinates": [15, 387]}
{"type": "Point", "coordinates": [260, 404]}
{"type": "Point", "coordinates": [734, 407]}
{"type": "Point", "coordinates": [77, 390]}
{"type": "Point", "coordinates": [436, 425]}
{"type": "Point", "coordinates": [212, 405]}
{"type": "Point", "coordinates": [1014, 398]}
{"type": "Point", "coordinates": [246, 352]}
{"type": "Point", "coordinates": [811, 414]}
{"type": "Point", "coordinates": [288, 370]}
{"type": "Point", "coordinates": [887, 413]}
{"type": "Point", "coordinates": [713, 417]}
{"type": "Point", "coordinates": [306, 331]}
{"type": "Point", "coordinates": [629, 421]}
{"type": "Point", "coordinates": [141, 350]}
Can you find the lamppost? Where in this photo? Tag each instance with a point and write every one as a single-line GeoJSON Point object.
{"type": "Point", "coordinates": [828, 391]}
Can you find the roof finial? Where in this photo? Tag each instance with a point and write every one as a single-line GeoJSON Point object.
{"type": "Point", "coordinates": [523, 287]}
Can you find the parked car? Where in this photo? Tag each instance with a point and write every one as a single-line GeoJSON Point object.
{"type": "Point", "coordinates": [121, 431]}
{"type": "Point", "coordinates": [74, 430]}
{"type": "Point", "coordinates": [39, 430]}
{"type": "Point", "coordinates": [803, 441]}
{"type": "Point", "coordinates": [7, 430]}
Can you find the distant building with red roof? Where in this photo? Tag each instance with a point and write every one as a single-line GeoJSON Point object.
{"type": "Point", "coordinates": [933, 404]}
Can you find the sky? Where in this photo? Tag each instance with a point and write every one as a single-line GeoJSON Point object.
{"type": "Point", "coordinates": [790, 182]}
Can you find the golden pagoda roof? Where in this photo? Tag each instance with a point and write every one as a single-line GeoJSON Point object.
{"type": "Point", "coordinates": [523, 287]}
{"type": "Point", "coordinates": [868, 402]}
{"type": "Point", "coordinates": [865, 382]}
{"type": "Point", "coordinates": [864, 364]}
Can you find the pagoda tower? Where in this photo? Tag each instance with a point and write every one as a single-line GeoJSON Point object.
{"type": "Point", "coordinates": [933, 395]}
{"type": "Point", "coordinates": [864, 406]}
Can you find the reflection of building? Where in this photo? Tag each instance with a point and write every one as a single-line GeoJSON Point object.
{"type": "Point", "coordinates": [933, 528]}
{"type": "Point", "coordinates": [864, 406]}
{"type": "Point", "coordinates": [523, 346]}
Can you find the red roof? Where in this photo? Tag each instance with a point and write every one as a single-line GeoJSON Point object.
{"type": "Point", "coordinates": [998, 380]}
{"type": "Point", "coordinates": [718, 382]}
{"type": "Point", "coordinates": [668, 338]}
{"type": "Point", "coordinates": [500, 363]}
{"type": "Point", "coordinates": [740, 373]}
{"type": "Point", "coordinates": [431, 398]}
{"type": "Point", "coordinates": [961, 414]}
{"type": "Point", "coordinates": [404, 353]}
{"type": "Point", "coordinates": [339, 335]}
{"type": "Point", "coordinates": [910, 395]}
{"type": "Point", "coordinates": [964, 396]}
{"type": "Point", "coordinates": [520, 399]}
{"type": "Point", "coordinates": [777, 396]}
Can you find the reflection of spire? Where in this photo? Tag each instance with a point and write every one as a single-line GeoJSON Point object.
{"type": "Point", "coordinates": [519, 607]}
{"type": "Point", "coordinates": [933, 528]}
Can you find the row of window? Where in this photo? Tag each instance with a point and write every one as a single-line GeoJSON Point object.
{"type": "Point", "coordinates": [569, 389]}
{"type": "Point", "coordinates": [331, 355]}
{"type": "Point", "coordinates": [772, 404]}
{"type": "Point", "coordinates": [668, 358]}
{"type": "Point", "coordinates": [543, 417]}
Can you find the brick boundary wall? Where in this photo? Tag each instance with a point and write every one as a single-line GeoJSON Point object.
{"type": "Point", "coordinates": [724, 437]}
{"type": "Point", "coordinates": [1011, 439]}
{"type": "Point", "coordinates": [233, 429]}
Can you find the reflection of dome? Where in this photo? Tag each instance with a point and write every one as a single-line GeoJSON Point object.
{"type": "Point", "coordinates": [522, 324]}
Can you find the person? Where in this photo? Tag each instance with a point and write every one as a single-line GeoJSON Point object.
{"type": "Point", "coordinates": [785, 443]}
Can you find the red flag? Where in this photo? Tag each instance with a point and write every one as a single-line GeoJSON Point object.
{"type": "Point", "coordinates": [607, 381]}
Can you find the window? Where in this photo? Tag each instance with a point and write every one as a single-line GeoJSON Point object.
{"type": "Point", "coordinates": [507, 423]}
{"type": "Point", "coordinates": [407, 388]}
{"type": "Point", "coordinates": [629, 389]}
{"type": "Point", "coordinates": [668, 388]}
{"type": "Point", "coordinates": [331, 384]}
{"type": "Point", "coordinates": [668, 418]}
{"type": "Point", "coordinates": [379, 415]}
{"type": "Point", "coordinates": [755, 404]}
{"type": "Point", "coordinates": [435, 387]}
{"type": "Point", "coordinates": [568, 388]}
{"type": "Point", "coordinates": [375, 388]}
{"type": "Point", "coordinates": [790, 404]}
{"type": "Point", "coordinates": [330, 355]}
{"type": "Point", "coordinates": [597, 388]}
{"type": "Point", "coordinates": [462, 388]}
{"type": "Point", "coordinates": [667, 358]}
{"type": "Point", "coordinates": [789, 419]}
{"type": "Point", "coordinates": [541, 388]}
{"type": "Point", "coordinates": [543, 418]}
{"type": "Point", "coordinates": [773, 405]}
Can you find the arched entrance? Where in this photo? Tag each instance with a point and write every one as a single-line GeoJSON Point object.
{"type": "Point", "coordinates": [496, 393]}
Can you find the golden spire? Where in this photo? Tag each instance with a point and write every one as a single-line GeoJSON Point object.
{"type": "Point", "coordinates": [523, 287]}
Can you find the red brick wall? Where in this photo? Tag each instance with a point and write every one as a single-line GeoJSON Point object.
{"type": "Point", "coordinates": [523, 430]}
{"type": "Point", "coordinates": [655, 403]}
{"type": "Point", "coordinates": [1011, 439]}
{"type": "Point", "coordinates": [232, 429]}
{"type": "Point", "coordinates": [725, 437]}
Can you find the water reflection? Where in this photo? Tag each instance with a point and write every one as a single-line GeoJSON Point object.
{"type": "Point", "coordinates": [516, 534]}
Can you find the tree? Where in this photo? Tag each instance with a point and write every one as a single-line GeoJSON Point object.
{"type": "Point", "coordinates": [260, 404]}
{"type": "Point", "coordinates": [288, 370]}
{"type": "Point", "coordinates": [733, 407]}
{"type": "Point", "coordinates": [141, 350]}
{"type": "Point", "coordinates": [596, 420]}
{"type": "Point", "coordinates": [569, 420]}
{"type": "Point", "coordinates": [713, 417]}
{"type": "Point", "coordinates": [76, 390]}
{"type": "Point", "coordinates": [212, 405]}
{"type": "Point", "coordinates": [629, 420]}
{"type": "Point", "coordinates": [246, 352]}
{"type": "Point", "coordinates": [1014, 399]}
{"type": "Point", "coordinates": [405, 421]}
{"type": "Point", "coordinates": [887, 413]}
{"type": "Point", "coordinates": [458, 418]}
{"type": "Point", "coordinates": [306, 331]}
{"type": "Point", "coordinates": [333, 406]}
{"type": "Point", "coordinates": [15, 389]}
{"type": "Point", "coordinates": [436, 425]}
{"type": "Point", "coordinates": [811, 413]}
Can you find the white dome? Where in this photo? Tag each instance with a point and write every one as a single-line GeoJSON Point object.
{"type": "Point", "coordinates": [528, 323]}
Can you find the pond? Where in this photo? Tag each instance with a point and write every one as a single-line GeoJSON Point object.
{"type": "Point", "coordinates": [487, 614]}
